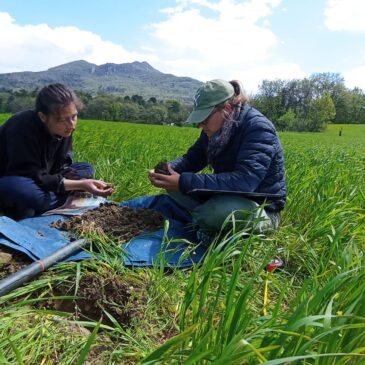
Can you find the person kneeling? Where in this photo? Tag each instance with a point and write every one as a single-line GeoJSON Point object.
{"type": "Point", "coordinates": [36, 168]}
{"type": "Point", "coordinates": [242, 147]}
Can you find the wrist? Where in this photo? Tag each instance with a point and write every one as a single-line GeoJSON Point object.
{"type": "Point", "coordinates": [70, 185]}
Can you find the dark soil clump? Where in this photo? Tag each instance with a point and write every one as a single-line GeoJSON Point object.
{"type": "Point", "coordinates": [12, 261]}
{"type": "Point", "coordinates": [162, 168]}
{"type": "Point", "coordinates": [97, 296]}
{"type": "Point", "coordinates": [122, 223]}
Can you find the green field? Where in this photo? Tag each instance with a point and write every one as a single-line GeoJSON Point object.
{"type": "Point", "coordinates": [215, 313]}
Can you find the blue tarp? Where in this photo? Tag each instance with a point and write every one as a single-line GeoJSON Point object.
{"type": "Point", "coordinates": [35, 238]}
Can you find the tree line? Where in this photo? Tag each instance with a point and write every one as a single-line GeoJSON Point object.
{"type": "Point", "coordinates": [307, 104]}
{"type": "Point", "coordinates": [134, 109]}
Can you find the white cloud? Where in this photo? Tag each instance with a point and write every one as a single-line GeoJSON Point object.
{"type": "Point", "coordinates": [38, 47]}
{"type": "Point", "coordinates": [204, 39]}
{"type": "Point", "coordinates": [252, 77]}
{"type": "Point", "coordinates": [345, 15]}
{"type": "Point", "coordinates": [356, 76]}
{"type": "Point", "coordinates": [348, 15]}
{"type": "Point", "coordinates": [224, 39]}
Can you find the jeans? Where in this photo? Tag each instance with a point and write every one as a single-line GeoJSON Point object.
{"type": "Point", "coordinates": [21, 197]}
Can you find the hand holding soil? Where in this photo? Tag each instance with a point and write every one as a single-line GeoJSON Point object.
{"type": "Point", "coordinates": [98, 187]}
{"type": "Point", "coordinates": [169, 181]}
{"type": "Point", "coordinates": [162, 168]}
{"type": "Point", "coordinates": [109, 186]}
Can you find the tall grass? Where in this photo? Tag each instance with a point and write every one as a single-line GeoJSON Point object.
{"type": "Point", "coordinates": [313, 311]}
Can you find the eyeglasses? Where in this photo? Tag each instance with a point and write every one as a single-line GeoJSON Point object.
{"type": "Point", "coordinates": [205, 121]}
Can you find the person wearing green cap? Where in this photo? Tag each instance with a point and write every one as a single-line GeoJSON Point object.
{"type": "Point", "coordinates": [242, 147]}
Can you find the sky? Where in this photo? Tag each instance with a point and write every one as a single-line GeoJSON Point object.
{"type": "Point", "coordinates": [248, 40]}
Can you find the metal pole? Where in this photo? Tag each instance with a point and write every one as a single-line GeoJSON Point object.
{"type": "Point", "coordinates": [20, 277]}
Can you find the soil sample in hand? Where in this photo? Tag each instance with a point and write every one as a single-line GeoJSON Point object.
{"type": "Point", "coordinates": [162, 168]}
{"type": "Point", "coordinates": [109, 186]}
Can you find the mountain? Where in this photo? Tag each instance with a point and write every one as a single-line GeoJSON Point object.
{"type": "Point", "coordinates": [118, 79]}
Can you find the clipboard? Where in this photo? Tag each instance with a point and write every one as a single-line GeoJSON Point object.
{"type": "Point", "coordinates": [246, 194]}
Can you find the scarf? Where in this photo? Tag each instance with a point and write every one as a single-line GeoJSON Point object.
{"type": "Point", "coordinates": [220, 139]}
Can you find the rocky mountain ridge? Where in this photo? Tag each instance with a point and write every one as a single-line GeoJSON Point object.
{"type": "Point", "coordinates": [118, 79]}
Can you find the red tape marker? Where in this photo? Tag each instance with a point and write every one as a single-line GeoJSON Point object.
{"type": "Point", "coordinates": [274, 264]}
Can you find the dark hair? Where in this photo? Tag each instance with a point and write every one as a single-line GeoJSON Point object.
{"type": "Point", "coordinates": [54, 97]}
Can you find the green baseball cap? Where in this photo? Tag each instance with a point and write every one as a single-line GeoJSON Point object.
{"type": "Point", "coordinates": [207, 97]}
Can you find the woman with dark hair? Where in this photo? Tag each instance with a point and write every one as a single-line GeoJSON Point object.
{"type": "Point", "coordinates": [36, 169]}
{"type": "Point", "coordinates": [243, 150]}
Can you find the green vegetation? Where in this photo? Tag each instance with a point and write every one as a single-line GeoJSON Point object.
{"type": "Point", "coordinates": [133, 109]}
{"type": "Point", "coordinates": [137, 93]}
{"type": "Point", "coordinates": [313, 311]}
{"type": "Point", "coordinates": [311, 103]}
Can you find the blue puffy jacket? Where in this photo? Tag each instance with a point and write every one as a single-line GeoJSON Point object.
{"type": "Point", "coordinates": [251, 162]}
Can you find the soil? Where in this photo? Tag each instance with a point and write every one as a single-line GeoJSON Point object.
{"type": "Point", "coordinates": [11, 261]}
{"type": "Point", "coordinates": [97, 296]}
{"type": "Point", "coordinates": [121, 223]}
{"type": "Point", "coordinates": [162, 168]}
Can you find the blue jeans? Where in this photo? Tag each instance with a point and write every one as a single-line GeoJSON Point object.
{"type": "Point", "coordinates": [21, 197]}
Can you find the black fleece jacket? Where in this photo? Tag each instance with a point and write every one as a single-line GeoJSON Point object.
{"type": "Point", "coordinates": [28, 149]}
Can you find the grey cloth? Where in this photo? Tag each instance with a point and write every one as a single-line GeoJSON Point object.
{"type": "Point", "coordinates": [219, 140]}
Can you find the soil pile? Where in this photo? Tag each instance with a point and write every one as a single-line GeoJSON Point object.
{"type": "Point", "coordinates": [122, 223]}
{"type": "Point", "coordinates": [11, 261]}
{"type": "Point", "coordinates": [97, 296]}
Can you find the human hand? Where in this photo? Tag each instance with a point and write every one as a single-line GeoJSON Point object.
{"type": "Point", "coordinates": [97, 187]}
{"type": "Point", "coordinates": [168, 182]}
